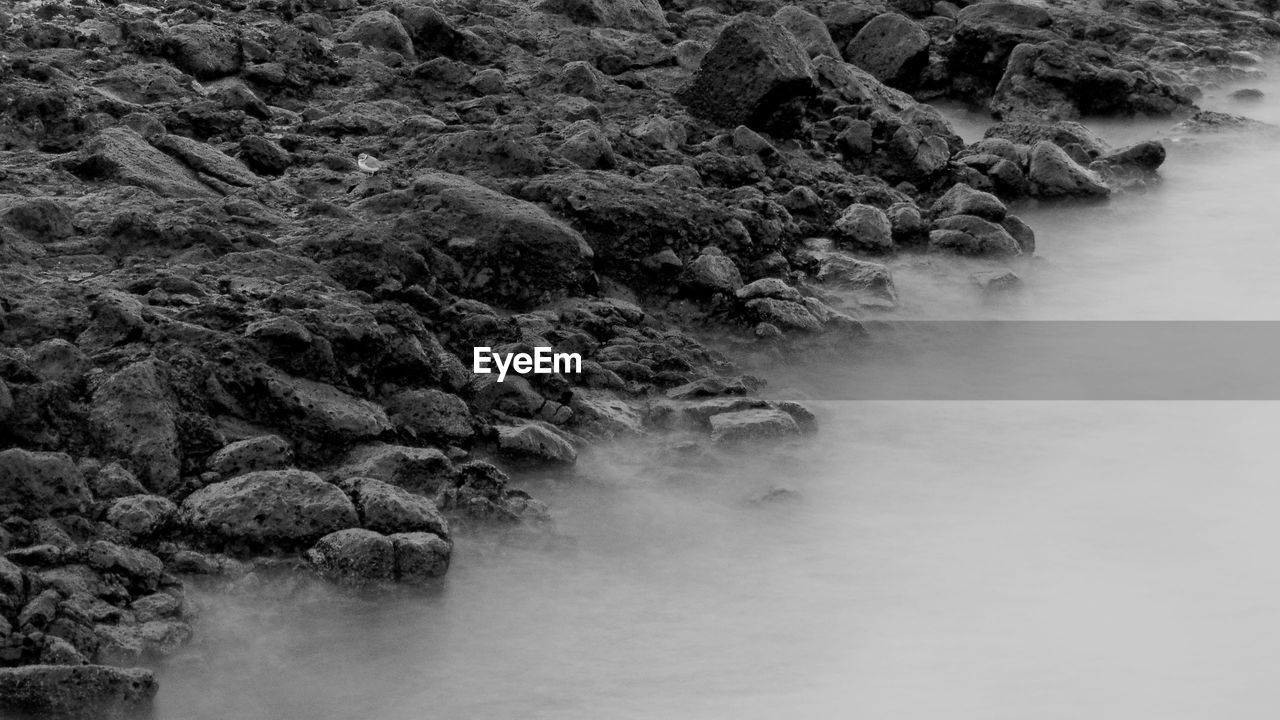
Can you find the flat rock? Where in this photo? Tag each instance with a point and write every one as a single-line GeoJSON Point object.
{"type": "Point", "coordinates": [324, 411]}
{"type": "Point", "coordinates": [421, 470]}
{"type": "Point", "coordinates": [270, 508]}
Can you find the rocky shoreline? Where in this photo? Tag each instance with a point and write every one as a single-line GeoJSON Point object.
{"type": "Point", "coordinates": [247, 248]}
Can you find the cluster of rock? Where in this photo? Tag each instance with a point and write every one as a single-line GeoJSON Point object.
{"type": "Point", "coordinates": [226, 336]}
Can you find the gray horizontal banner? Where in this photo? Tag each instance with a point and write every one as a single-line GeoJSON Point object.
{"type": "Point", "coordinates": [1057, 360]}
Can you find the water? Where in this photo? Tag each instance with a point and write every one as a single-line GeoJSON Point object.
{"type": "Point", "coordinates": [977, 559]}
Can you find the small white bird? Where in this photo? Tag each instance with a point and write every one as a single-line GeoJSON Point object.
{"type": "Point", "coordinates": [368, 163]}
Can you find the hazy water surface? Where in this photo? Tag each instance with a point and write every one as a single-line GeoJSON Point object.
{"type": "Point", "coordinates": [975, 560]}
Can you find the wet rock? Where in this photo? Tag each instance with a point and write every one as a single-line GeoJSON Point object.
{"type": "Point", "coordinates": [142, 516]}
{"type": "Point", "coordinates": [420, 556]}
{"type": "Point", "coordinates": [421, 470]}
{"type": "Point", "coordinates": [891, 47]}
{"type": "Point", "coordinates": [389, 509]}
{"type": "Point", "coordinates": [871, 283]}
{"type": "Point", "coordinates": [134, 415]}
{"type": "Point", "coordinates": [265, 452]}
{"type": "Point", "coordinates": [964, 200]}
{"type": "Point", "coordinates": [995, 280]}
{"type": "Point", "coordinates": [1054, 174]}
{"type": "Point", "coordinates": [354, 557]}
{"type": "Point", "coordinates": [536, 441]}
{"type": "Point", "coordinates": [38, 484]}
{"type": "Point", "coordinates": [754, 66]}
{"type": "Point", "coordinates": [1064, 133]}
{"type": "Point", "coordinates": [752, 425]}
{"type": "Point", "coordinates": [809, 31]}
{"type": "Point", "coordinates": [865, 227]}
{"type": "Point", "coordinates": [766, 287]}
{"type": "Point", "coordinates": [88, 692]}
{"type": "Point", "coordinates": [431, 415]}
{"type": "Point", "coordinates": [58, 361]}
{"type": "Point", "coordinates": [640, 15]}
{"type": "Point", "coordinates": [581, 79]}
{"type": "Point", "coordinates": [784, 314]}
{"type": "Point", "coordinates": [1144, 157]}
{"type": "Point", "coordinates": [711, 272]}
{"type": "Point", "coordinates": [41, 219]}
{"type": "Point", "coordinates": [971, 235]}
{"type": "Point", "coordinates": [380, 29]}
{"type": "Point", "coordinates": [204, 50]}
{"type": "Point", "coordinates": [269, 508]}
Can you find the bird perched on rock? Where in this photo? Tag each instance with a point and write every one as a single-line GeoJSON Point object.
{"type": "Point", "coordinates": [368, 163]}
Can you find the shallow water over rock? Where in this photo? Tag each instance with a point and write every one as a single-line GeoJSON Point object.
{"type": "Point", "coordinates": [977, 559]}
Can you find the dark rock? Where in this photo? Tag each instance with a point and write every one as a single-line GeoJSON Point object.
{"type": "Point", "coordinates": [113, 482]}
{"type": "Point", "coordinates": [536, 441]}
{"type": "Point", "coordinates": [892, 48]}
{"type": "Point", "coordinates": [122, 155]}
{"type": "Point", "coordinates": [754, 66]}
{"type": "Point", "coordinates": [88, 692]}
{"type": "Point", "coordinates": [380, 29]}
{"type": "Point", "coordinates": [865, 227]}
{"type": "Point", "coordinates": [971, 235]}
{"type": "Point", "coordinates": [752, 426]}
{"type": "Point", "coordinates": [142, 516]}
{"type": "Point", "coordinates": [135, 418]}
{"type": "Point", "coordinates": [205, 50]}
{"type": "Point", "coordinates": [711, 272]}
{"type": "Point", "coordinates": [431, 415]}
{"type": "Point", "coordinates": [640, 15]}
{"type": "Point", "coordinates": [420, 556]}
{"type": "Point", "coordinates": [389, 509]}
{"type": "Point", "coordinates": [1054, 174]}
{"type": "Point", "coordinates": [263, 156]}
{"type": "Point", "coordinates": [38, 484]}
{"type": "Point", "coordinates": [421, 470]}
{"type": "Point", "coordinates": [964, 200]}
{"type": "Point", "coordinates": [1017, 14]}
{"type": "Point", "coordinates": [1021, 232]}
{"type": "Point", "coordinates": [265, 452]}
{"type": "Point", "coordinates": [284, 508]}
{"type": "Point", "coordinates": [809, 31]}
{"type": "Point", "coordinates": [354, 557]}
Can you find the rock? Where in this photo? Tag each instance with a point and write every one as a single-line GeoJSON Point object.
{"type": "Point", "coordinates": [1144, 157]}
{"type": "Point", "coordinates": [208, 162]}
{"type": "Point", "coordinates": [6, 403]}
{"type": "Point", "coordinates": [389, 509]}
{"type": "Point", "coordinates": [77, 692]}
{"type": "Point", "coordinates": [421, 470]}
{"type": "Point", "coordinates": [265, 452]}
{"type": "Point", "coordinates": [354, 557]}
{"type": "Point", "coordinates": [323, 411]}
{"type": "Point", "coordinates": [589, 150]}
{"type": "Point", "coordinates": [765, 287]}
{"type": "Point", "coordinates": [784, 314]}
{"type": "Point", "coordinates": [639, 15]}
{"type": "Point", "coordinates": [711, 272]}
{"type": "Point", "coordinates": [38, 484]}
{"type": "Point", "coordinates": [380, 29]}
{"type": "Point", "coordinates": [865, 227]}
{"type": "Point", "coordinates": [995, 280]}
{"type": "Point", "coordinates": [1247, 94]}
{"type": "Point", "coordinates": [891, 47]}
{"type": "Point", "coordinates": [204, 50]}
{"type": "Point", "coordinates": [420, 556]}
{"type": "Point", "coordinates": [122, 155]}
{"type": "Point", "coordinates": [1019, 14]}
{"type": "Point", "coordinates": [536, 441]}
{"type": "Point", "coordinates": [113, 482]}
{"type": "Point", "coordinates": [754, 66]}
{"type": "Point", "coordinates": [971, 235]}
{"type": "Point", "coordinates": [581, 79]}
{"type": "Point", "coordinates": [1064, 134]}
{"type": "Point", "coordinates": [58, 361]}
{"type": "Point", "coordinates": [871, 283]}
{"type": "Point", "coordinates": [964, 200]}
{"type": "Point", "coordinates": [41, 219]}
{"type": "Point", "coordinates": [433, 34]}
{"type": "Point", "coordinates": [809, 31]}
{"type": "Point", "coordinates": [752, 425]}
{"type": "Point", "coordinates": [285, 508]}
{"type": "Point", "coordinates": [510, 250]}
{"type": "Point", "coordinates": [140, 566]}
{"type": "Point", "coordinates": [1054, 174]}
{"type": "Point", "coordinates": [1021, 232]}
{"type": "Point", "coordinates": [135, 419]}
{"type": "Point", "coordinates": [142, 516]}
{"type": "Point", "coordinates": [431, 415]}
{"type": "Point", "coordinates": [845, 19]}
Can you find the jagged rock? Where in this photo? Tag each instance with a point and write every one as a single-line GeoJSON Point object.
{"type": "Point", "coordinates": [354, 557]}
{"type": "Point", "coordinates": [389, 509]}
{"type": "Point", "coordinates": [380, 29]}
{"type": "Point", "coordinates": [142, 515]}
{"type": "Point", "coordinates": [964, 200]}
{"type": "Point", "coordinates": [122, 155]}
{"type": "Point", "coordinates": [581, 79]}
{"type": "Point", "coordinates": [754, 66]}
{"type": "Point", "coordinates": [752, 425]}
{"type": "Point", "coordinates": [785, 314]}
{"type": "Point", "coordinates": [38, 484]}
{"type": "Point", "coordinates": [640, 15]}
{"type": "Point", "coordinates": [41, 219]}
{"type": "Point", "coordinates": [77, 692]}
{"type": "Point", "coordinates": [431, 415]}
{"type": "Point", "coordinates": [971, 235]}
{"type": "Point", "coordinates": [134, 416]}
{"type": "Point", "coordinates": [809, 31]}
{"type": "Point", "coordinates": [205, 50]}
{"type": "Point", "coordinates": [711, 272]}
{"type": "Point", "coordinates": [207, 160]}
{"type": "Point", "coordinates": [269, 508]}
{"type": "Point", "coordinates": [265, 452]}
{"type": "Point", "coordinates": [420, 556]}
{"type": "Point", "coordinates": [1054, 174]}
{"type": "Point", "coordinates": [865, 227]}
{"type": "Point", "coordinates": [536, 441]}
{"type": "Point", "coordinates": [891, 47]}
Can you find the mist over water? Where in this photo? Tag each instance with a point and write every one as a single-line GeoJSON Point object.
{"type": "Point", "coordinates": [973, 560]}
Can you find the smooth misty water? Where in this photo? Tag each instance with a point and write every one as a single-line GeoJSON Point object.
{"type": "Point", "coordinates": [978, 559]}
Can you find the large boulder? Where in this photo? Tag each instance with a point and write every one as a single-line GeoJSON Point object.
{"type": "Point", "coordinates": [510, 250]}
{"type": "Point", "coordinates": [431, 415]}
{"type": "Point", "coordinates": [809, 31]}
{"type": "Point", "coordinates": [284, 508]}
{"type": "Point", "coordinates": [972, 235]}
{"type": "Point", "coordinates": [387, 508]}
{"type": "Point", "coordinates": [380, 29]}
{"type": "Point", "coordinates": [135, 418]}
{"type": "Point", "coordinates": [37, 484]}
{"type": "Point", "coordinates": [891, 47]}
{"type": "Point", "coordinates": [77, 692]}
{"type": "Point", "coordinates": [754, 66]}
{"type": "Point", "coordinates": [1054, 174]}
{"type": "Point", "coordinates": [640, 15]}
{"type": "Point", "coordinates": [205, 50]}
